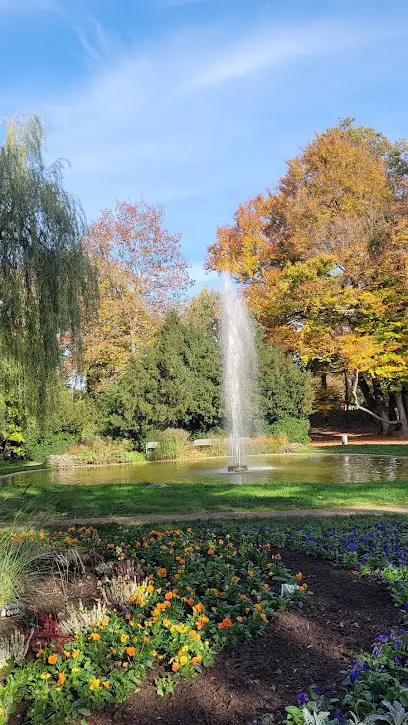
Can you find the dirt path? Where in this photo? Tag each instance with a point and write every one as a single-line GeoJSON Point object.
{"type": "Point", "coordinates": [302, 647]}
{"type": "Point", "coordinates": [223, 515]}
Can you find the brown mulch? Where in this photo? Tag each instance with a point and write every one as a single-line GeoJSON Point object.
{"type": "Point", "coordinates": [309, 646]}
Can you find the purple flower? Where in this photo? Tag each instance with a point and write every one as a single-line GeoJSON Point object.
{"type": "Point", "coordinates": [302, 698]}
{"type": "Point", "coordinates": [340, 716]}
{"type": "Point", "coordinates": [377, 651]}
{"type": "Point", "coordinates": [397, 660]}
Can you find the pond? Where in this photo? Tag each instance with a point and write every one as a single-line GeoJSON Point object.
{"type": "Point", "coordinates": [310, 468]}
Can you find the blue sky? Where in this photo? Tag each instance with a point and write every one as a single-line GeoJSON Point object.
{"type": "Point", "coordinates": [196, 104]}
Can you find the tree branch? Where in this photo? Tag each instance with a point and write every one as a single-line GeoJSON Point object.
{"type": "Point", "coordinates": [366, 410]}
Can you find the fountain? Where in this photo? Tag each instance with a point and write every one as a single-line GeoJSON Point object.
{"type": "Point", "coordinates": [240, 372]}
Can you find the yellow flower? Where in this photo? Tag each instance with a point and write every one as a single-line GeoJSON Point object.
{"type": "Point", "coordinates": [125, 664]}
{"type": "Point", "coordinates": [183, 660]}
{"type": "Point", "coordinates": [45, 675]}
{"type": "Point", "coordinates": [95, 636]}
{"type": "Point", "coordinates": [124, 638]}
{"type": "Point", "coordinates": [94, 683]}
{"type": "Point", "coordinates": [166, 623]}
{"type": "Point", "coordinates": [76, 652]}
{"type": "Point", "coordinates": [106, 684]}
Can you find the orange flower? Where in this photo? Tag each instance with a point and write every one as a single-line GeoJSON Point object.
{"type": "Point", "coordinates": [198, 608]}
{"type": "Point", "coordinates": [39, 653]}
{"type": "Point", "coordinates": [175, 666]}
{"type": "Point", "coordinates": [299, 576]}
{"type": "Point", "coordinates": [183, 660]}
{"type": "Point", "coordinates": [196, 660]}
{"type": "Point", "coordinates": [169, 595]}
{"type": "Point", "coordinates": [278, 557]}
{"type": "Point", "coordinates": [250, 573]}
{"type": "Point", "coordinates": [95, 636]}
{"type": "Point", "coordinates": [240, 619]}
{"type": "Point", "coordinates": [226, 622]}
{"type": "Point", "coordinates": [258, 607]}
{"type": "Point", "coordinates": [162, 572]}
{"type": "Point", "coordinates": [211, 551]}
{"type": "Point", "coordinates": [264, 617]}
{"type": "Point", "coordinates": [303, 588]}
{"type": "Point", "coordinates": [131, 651]}
{"type": "Point", "coordinates": [61, 679]}
{"type": "Point", "coordinates": [190, 601]}
{"type": "Point", "coordinates": [52, 659]}
{"type": "Point", "coordinates": [235, 579]}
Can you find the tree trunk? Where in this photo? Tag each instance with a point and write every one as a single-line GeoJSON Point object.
{"type": "Point", "coordinates": [323, 378]}
{"type": "Point", "coordinates": [392, 405]}
{"type": "Point", "coordinates": [402, 415]}
{"type": "Point", "coordinates": [381, 407]}
{"type": "Point", "coordinates": [369, 399]}
{"type": "Point", "coordinates": [404, 391]}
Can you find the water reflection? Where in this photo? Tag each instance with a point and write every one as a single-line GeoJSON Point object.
{"type": "Point", "coordinates": [318, 468]}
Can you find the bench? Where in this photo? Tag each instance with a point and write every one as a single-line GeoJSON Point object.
{"type": "Point", "coordinates": [202, 442]}
{"type": "Point", "coordinates": [151, 445]}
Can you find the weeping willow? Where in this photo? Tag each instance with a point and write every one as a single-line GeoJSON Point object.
{"type": "Point", "coordinates": [47, 283]}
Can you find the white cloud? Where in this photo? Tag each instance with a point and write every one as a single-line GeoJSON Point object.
{"type": "Point", "coordinates": [167, 120]}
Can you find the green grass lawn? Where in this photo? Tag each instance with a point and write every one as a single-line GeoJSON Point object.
{"type": "Point", "coordinates": [122, 499]}
{"type": "Point", "coordinates": [7, 467]}
{"type": "Point", "coordinates": [373, 449]}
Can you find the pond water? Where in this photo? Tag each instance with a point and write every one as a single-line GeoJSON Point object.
{"type": "Point", "coordinates": [310, 468]}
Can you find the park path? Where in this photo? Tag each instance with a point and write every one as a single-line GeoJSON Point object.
{"type": "Point", "coordinates": [223, 515]}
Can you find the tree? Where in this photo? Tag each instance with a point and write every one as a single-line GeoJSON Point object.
{"type": "Point", "coordinates": [176, 382]}
{"type": "Point", "coordinates": [142, 272]}
{"type": "Point", "coordinates": [47, 280]}
{"type": "Point", "coordinates": [285, 387]}
{"type": "Point", "coordinates": [323, 259]}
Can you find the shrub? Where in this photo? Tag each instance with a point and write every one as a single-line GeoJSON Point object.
{"type": "Point", "coordinates": [171, 444]}
{"type": "Point", "coordinates": [78, 618]}
{"type": "Point", "coordinates": [296, 429]}
{"type": "Point", "coordinates": [19, 558]}
{"type": "Point", "coordinates": [13, 648]}
{"type": "Point", "coordinates": [262, 445]}
{"type": "Point", "coordinates": [106, 450]}
{"type": "Point", "coordinates": [40, 449]}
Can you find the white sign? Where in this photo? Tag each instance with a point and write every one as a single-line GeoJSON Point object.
{"type": "Point", "coordinates": [12, 609]}
{"type": "Point", "coordinates": [288, 589]}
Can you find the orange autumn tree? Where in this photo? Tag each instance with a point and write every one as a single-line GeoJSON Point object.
{"type": "Point", "coordinates": [142, 272]}
{"type": "Point", "coordinates": [323, 260]}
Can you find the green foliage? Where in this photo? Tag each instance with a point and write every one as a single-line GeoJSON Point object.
{"type": "Point", "coordinates": [296, 430]}
{"type": "Point", "coordinates": [46, 277]}
{"type": "Point", "coordinates": [171, 444]}
{"type": "Point", "coordinates": [54, 444]}
{"type": "Point", "coordinates": [175, 383]}
{"type": "Point", "coordinates": [19, 556]}
{"type": "Point", "coordinates": [286, 388]}
{"type": "Point", "coordinates": [106, 450]}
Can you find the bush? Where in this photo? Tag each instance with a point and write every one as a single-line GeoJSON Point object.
{"type": "Point", "coordinates": [106, 450]}
{"type": "Point", "coordinates": [262, 445]}
{"type": "Point", "coordinates": [171, 441]}
{"type": "Point", "coordinates": [296, 430]}
{"type": "Point", "coordinates": [19, 557]}
{"type": "Point", "coordinates": [56, 444]}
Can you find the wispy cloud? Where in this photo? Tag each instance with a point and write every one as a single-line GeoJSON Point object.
{"type": "Point", "coordinates": [167, 119]}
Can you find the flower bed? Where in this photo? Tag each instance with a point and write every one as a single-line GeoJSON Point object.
{"type": "Point", "coordinates": [171, 599]}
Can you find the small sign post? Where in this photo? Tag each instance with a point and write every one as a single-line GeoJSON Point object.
{"type": "Point", "coordinates": [12, 609]}
{"type": "Point", "coordinates": [288, 589]}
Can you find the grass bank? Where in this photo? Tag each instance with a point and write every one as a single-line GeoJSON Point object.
{"type": "Point", "coordinates": [127, 500]}
{"type": "Point", "coordinates": [7, 468]}
{"type": "Point", "coordinates": [372, 449]}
